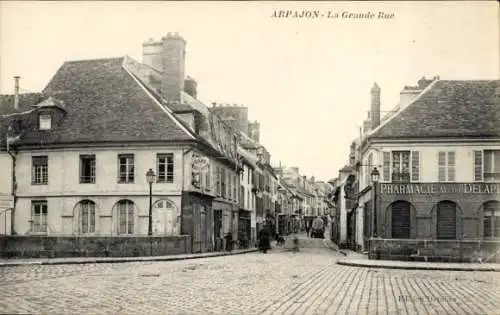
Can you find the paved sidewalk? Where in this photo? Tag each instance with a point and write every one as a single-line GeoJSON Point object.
{"type": "Point", "coordinates": [96, 260]}
{"type": "Point", "coordinates": [353, 261]}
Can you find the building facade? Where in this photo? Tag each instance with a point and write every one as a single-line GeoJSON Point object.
{"type": "Point", "coordinates": [76, 163]}
{"type": "Point", "coordinates": [437, 156]}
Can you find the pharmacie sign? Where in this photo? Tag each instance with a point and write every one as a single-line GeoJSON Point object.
{"type": "Point", "coordinates": [439, 188]}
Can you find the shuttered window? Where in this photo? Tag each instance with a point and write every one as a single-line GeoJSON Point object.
{"type": "Point", "coordinates": [446, 220]}
{"type": "Point", "coordinates": [415, 166]}
{"type": "Point", "coordinates": [446, 166]}
{"type": "Point", "coordinates": [386, 169]}
{"type": "Point", "coordinates": [442, 166]}
{"type": "Point", "coordinates": [478, 166]}
{"type": "Point", "coordinates": [400, 219]}
{"type": "Point", "coordinates": [451, 166]}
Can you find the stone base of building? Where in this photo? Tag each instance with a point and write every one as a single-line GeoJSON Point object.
{"type": "Point", "coordinates": [92, 246]}
{"type": "Point", "coordinates": [435, 250]}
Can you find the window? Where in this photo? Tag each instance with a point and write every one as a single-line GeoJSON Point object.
{"type": "Point", "coordinates": [491, 219]}
{"type": "Point", "coordinates": [223, 183]}
{"type": "Point", "coordinates": [39, 216]}
{"type": "Point", "coordinates": [165, 168]}
{"type": "Point", "coordinates": [87, 216]}
{"type": "Point", "coordinates": [242, 198]}
{"type": "Point", "coordinates": [401, 166]}
{"type": "Point", "coordinates": [39, 170]}
{"type": "Point", "coordinates": [491, 168]}
{"type": "Point", "coordinates": [126, 168]}
{"type": "Point", "coordinates": [208, 177]}
{"type": "Point", "coordinates": [218, 181]}
{"type": "Point", "coordinates": [125, 220]}
{"type": "Point", "coordinates": [87, 169]}
{"type": "Point", "coordinates": [235, 191]}
{"type": "Point", "coordinates": [44, 121]}
{"type": "Point", "coordinates": [446, 166]}
{"type": "Point", "coordinates": [229, 186]}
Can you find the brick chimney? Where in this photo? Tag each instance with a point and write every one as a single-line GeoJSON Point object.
{"type": "Point", "coordinates": [16, 91]}
{"type": "Point", "coordinates": [375, 106]}
{"type": "Point", "coordinates": [173, 61]}
{"type": "Point", "coordinates": [152, 54]}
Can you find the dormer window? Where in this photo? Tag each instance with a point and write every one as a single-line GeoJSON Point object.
{"type": "Point", "coordinates": [44, 121]}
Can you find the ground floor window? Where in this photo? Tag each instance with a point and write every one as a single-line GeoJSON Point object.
{"type": "Point", "coordinates": [491, 221]}
{"type": "Point", "coordinates": [125, 217]}
{"type": "Point", "coordinates": [400, 219]}
{"type": "Point", "coordinates": [446, 220]}
{"type": "Point", "coordinates": [86, 216]}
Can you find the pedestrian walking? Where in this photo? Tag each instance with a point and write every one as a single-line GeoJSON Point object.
{"type": "Point", "coordinates": [229, 241]}
{"type": "Point", "coordinates": [264, 239]}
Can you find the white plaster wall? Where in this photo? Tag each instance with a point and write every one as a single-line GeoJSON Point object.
{"type": "Point", "coordinates": [464, 156]}
{"type": "Point", "coordinates": [5, 174]}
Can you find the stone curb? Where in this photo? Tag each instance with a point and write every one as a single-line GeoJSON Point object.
{"type": "Point", "coordinates": [414, 267]}
{"type": "Point", "coordinates": [123, 259]}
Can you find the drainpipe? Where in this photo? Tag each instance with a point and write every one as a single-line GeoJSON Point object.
{"type": "Point", "coordinates": [13, 191]}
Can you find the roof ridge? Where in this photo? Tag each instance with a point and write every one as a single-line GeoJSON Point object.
{"type": "Point", "coordinates": [94, 59]}
{"type": "Point", "coordinates": [411, 102]}
{"type": "Point", "coordinates": [148, 93]}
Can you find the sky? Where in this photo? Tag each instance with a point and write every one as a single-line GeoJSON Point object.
{"type": "Point", "coordinates": [307, 81]}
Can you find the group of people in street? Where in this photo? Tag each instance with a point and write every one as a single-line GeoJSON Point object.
{"type": "Point", "coordinates": [316, 228]}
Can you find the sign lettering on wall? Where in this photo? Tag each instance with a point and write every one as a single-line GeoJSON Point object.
{"type": "Point", "coordinates": [199, 163]}
{"type": "Point", "coordinates": [439, 188]}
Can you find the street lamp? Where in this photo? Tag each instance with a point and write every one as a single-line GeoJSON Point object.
{"type": "Point", "coordinates": [150, 178]}
{"type": "Point", "coordinates": [375, 174]}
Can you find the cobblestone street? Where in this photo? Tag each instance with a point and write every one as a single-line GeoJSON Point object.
{"type": "Point", "coordinates": [308, 282]}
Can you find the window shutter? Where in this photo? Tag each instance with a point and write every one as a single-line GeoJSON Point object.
{"type": "Point", "coordinates": [451, 166]}
{"type": "Point", "coordinates": [478, 165]}
{"type": "Point", "coordinates": [415, 166]}
{"type": "Point", "coordinates": [386, 169]}
{"type": "Point", "coordinates": [442, 166]}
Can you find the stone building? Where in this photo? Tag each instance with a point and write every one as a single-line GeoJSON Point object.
{"type": "Point", "coordinates": [75, 161]}
{"type": "Point", "coordinates": [438, 155]}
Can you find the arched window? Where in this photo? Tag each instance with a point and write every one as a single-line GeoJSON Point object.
{"type": "Point", "coordinates": [86, 215]}
{"type": "Point", "coordinates": [400, 219]}
{"type": "Point", "coordinates": [446, 220]}
{"type": "Point", "coordinates": [125, 217]}
{"type": "Point", "coordinates": [491, 222]}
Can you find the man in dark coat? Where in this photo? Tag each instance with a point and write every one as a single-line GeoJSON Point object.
{"type": "Point", "coordinates": [264, 239]}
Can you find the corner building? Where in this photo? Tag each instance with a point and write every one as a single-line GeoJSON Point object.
{"type": "Point", "coordinates": [439, 160]}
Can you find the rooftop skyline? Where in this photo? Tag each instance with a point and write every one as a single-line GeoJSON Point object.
{"type": "Point", "coordinates": [307, 81]}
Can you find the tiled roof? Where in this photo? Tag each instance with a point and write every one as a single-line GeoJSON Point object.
{"type": "Point", "coordinates": [448, 109]}
{"type": "Point", "coordinates": [104, 104]}
{"type": "Point", "coordinates": [26, 100]}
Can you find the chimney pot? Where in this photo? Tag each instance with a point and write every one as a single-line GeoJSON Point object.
{"type": "Point", "coordinates": [375, 106]}
{"type": "Point", "coordinates": [173, 64]}
{"type": "Point", "coordinates": [16, 91]}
